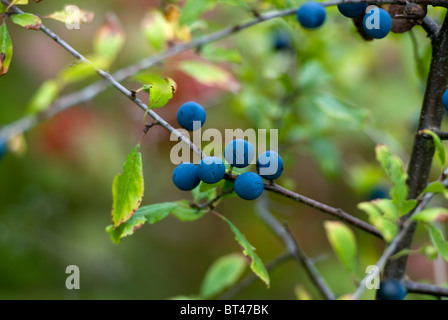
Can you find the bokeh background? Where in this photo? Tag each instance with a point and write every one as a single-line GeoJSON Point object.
{"type": "Point", "coordinates": [332, 96]}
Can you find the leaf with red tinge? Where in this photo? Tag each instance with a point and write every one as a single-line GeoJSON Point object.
{"type": "Point", "coordinates": [5, 50]}
{"type": "Point", "coordinates": [256, 264]}
{"type": "Point", "coordinates": [210, 75]}
{"type": "Point", "coordinates": [109, 39]}
{"type": "Point", "coordinates": [27, 20]}
{"type": "Point", "coordinates": [127, 189]}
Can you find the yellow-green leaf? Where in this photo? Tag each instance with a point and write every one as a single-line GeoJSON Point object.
{"type": "Point", "coordinates": [439, 145]}
{"type": "Point", "coordinates": [256, 264]}
{"type": "Point", "coordinates": [210, 75]}
{"type": "Point", "coordinates": [71, 15]}
{"type": "Point", "coordinates": [161, 90]}
{"type": "Point", "coordinates": [5, 50]}
{"type": "Point", "coordinates": [128, 189]}
{"type": "Point", "coordinates": [343, 243]}
{"type": "Point", "coordinates": [430, 215]}
{"type": "Point", "coordinates": [151, 214]}
{"type": "Point", "coordinates": [44, 96]}
{"type": "Point", "coordinates": [109, 40]}
{"type": "Point", "coordinates": [27, 20]}
{"type": "Point", "coordinates": [184, 212]}
{"type": "Point", "coordinates": [157, 30]}
{"type": "Point", "coordinates": [223, 273]}
{"type": "Point", "coordinates": [439, 241]}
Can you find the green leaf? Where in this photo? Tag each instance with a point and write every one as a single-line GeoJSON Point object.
{"type": "Point", "coordinates": [430, 252]}
{"type": "Point", "coordinates": [186, 298]}
{"type": "Point", "coordinates": [204, 191]}
{"type": "Point", "coordinates": [343, 243]}
{"type": "Point", "coordinates": [2, 8]}
{"type": "Point", "coordinates": [224, 273]}
{"type": "Point", "coordinates": [151, 214]}
{"type": "Point", "coordinates": [438, 241]}
{"type": "Point", "coordinates": [387, 227]}
{"type": "Point", "coordinates": [18, 2]}
{"type": "Point", "coordinates": [209, 75]}
{"type": "Point", "coordinates": [161, 90]}
{"type": "Point", "coordinates": [301, 293]}
{"type": "Point", "coordinates": [128, 189]}
{"type": "Point", "coordinates": [192, 9]}
{"type": "Point", "coordinates": [185, 212]}
{"type": "Point", "coordinates": [6, 50]}
{"type": "Point", "coordinates": [256, 264]}
{"type": "Point", "coordinates": [43, 98]}
{"type": "Point", "coordinates": [27, 20]}
{"type": "Point", "coordinates": [69, 15]}
{"type": "Point", "coordinates": [387, 208]}
{"type": "Point", "coordinates": [156, 29]}
{"type": "Point", "coordinates": [220, 54]}
{"type": "Point", "coordinates": [430, 215]}
{"type": "Point", "coordinates": [436, 187]}
{"type": "Point", "coordinates": [108, 41]}
{"type": "Point", "coordinates": [439, 145]}
{"type": "Point", "coordinates": [393, 167]}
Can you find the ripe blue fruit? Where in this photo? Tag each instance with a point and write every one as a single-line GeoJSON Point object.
{"type": "Point", "coordinates": [377, 23]}
{"type": "Point", "coordinates": [211, 170]}
{"type": "Point", "coordinates": [391, 289]}
{"type": "Point", "coordinates": [270, 165]}
{"type": "Point", "coordinates": [445, 99]}
{"type": "Point", "coordinates": [281, 41]}
{"type": "Point", "coordinates": [190, 112]}
{"type": "Point", "coordinates": [185, 176]}
{"type": "Point", "coordinates": [239, 153]}
{"type": "Point", "coordinates": [311, 15]}
{"type": "Point", "coordinates": [3, 148]}
{"type": "Point", "coordinates": [249, 186]}
{"type": "Point", "coordinates": [352, 10]}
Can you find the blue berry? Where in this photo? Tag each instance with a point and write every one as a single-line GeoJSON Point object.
{"type": "Point", "coordinates": [445, 99]}
{"type": "Point", "coordinates": [185, 176]}
{"type": "Point", "coordinates": [379, 192]}
{"type": "Point", "coordinates": [239, 153]}
{"type": "Point", "coordinates": [311, 15]}
{"type": "Point", "coordinates": [282, 41]}
{"type": "Point", "coordinates": [211, 170]}
{"type": "Point", "coordinates": [352, 10]}
{"type": "Point", "coordinates": [270, 165]}
{"type": "Point", "coordinates": [191, 112]}
{"type": "Point", "coordinates": [377, 23]}
{"type": "Point", "coordinates": [249, 186]}
{"type": "Point", "coordinates": [391, 289]}
{"type": "Point", "coordinates": [3, 148]}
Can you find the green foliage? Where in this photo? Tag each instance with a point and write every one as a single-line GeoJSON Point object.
{"type": "Point", "coordinates": [27, 20]}
{"type": "Point", "coordinates": [161, 90]}
{"type": "Point", "coordinates": [436, 188]}
{"type": "Point", "coordinates": [393, 168]}
{"type": "Point", "coordinates": [220, 54]}
{"type": "Point", "coordinates": [5, 50]}
{"type": "Point", "coordinates": [155, 28]}
{"type": "Point", "coordinates": [127, 189]}
{"type": "Point", "coordinates": [192, 9]}
{"type": "Point", "coordinates": [43, 97]}
{"type": "Point", "coordinates": [209, 74]}
{"type": "Point", "coordinates": [343, 242]}
{"type": "Point", "coordinates": [439, 146]}
{"type": "Point", "coordinates": [430, 215]}
{"type": "Point", "coordinates": [184, 212]}
{"type": "Point", "coordinates": [108, 41]}
{"type": "Point", "coordinates": [224, 273]}
{"type": "Point", "coordinates": [438, 240]}
{"type": "Point", "coordinates": [151, 214]}
{"type": "Point", "coordinates": [256, 264]}
{"type": "Point", "coordinates": [383, 215]}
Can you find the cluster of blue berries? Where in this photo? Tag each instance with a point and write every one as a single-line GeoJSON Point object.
{"type": "Point", "coordinates": [311, 15]}
{"type": "Point", "coordinates": [238, 153]}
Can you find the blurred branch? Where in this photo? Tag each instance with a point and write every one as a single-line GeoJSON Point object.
{"type": "Point", "coordinates": [245, 282]}
{"type": "Point", "coordinates": [88, 93]}
{"type": "Point", "coordinates": [292, 246]}
{"type": "Point", "coordinates": [424, 288]}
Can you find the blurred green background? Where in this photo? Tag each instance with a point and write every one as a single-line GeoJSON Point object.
{"type": "Point", "coordinates": [333, 97]}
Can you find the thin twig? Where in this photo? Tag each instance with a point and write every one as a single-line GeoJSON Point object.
{"type": "Point", "coordinates": [211, 203]}
{"type": "Point", "coordinates": [88, 93]}
{"type": "Point", "coordinates": [292, 246]}
{"type": "Point", "coordinates": [424, 288]}
{"type": "Point", "coordinates": [443, 135]}
{"type": "Point", "coordinates": [339, 213]}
